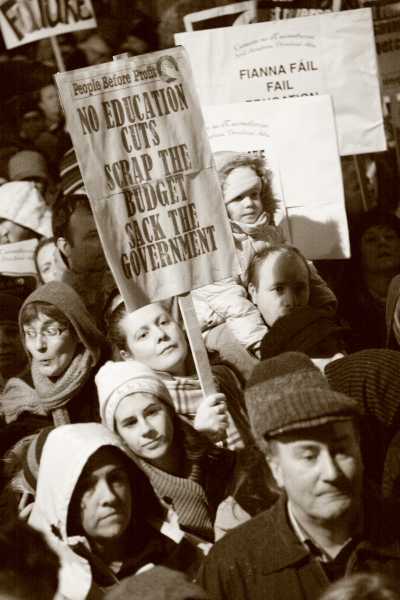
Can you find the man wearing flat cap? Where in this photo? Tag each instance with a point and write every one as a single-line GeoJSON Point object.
{"type": "Point", "coordinates": [327, 522]}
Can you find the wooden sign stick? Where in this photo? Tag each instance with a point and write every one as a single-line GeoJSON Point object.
{"type": "Point", "coordinates": [57, 53]}
{"type": "Point", "coordinates": [196, 343]}
{"type": "Point", "coordinates": [362, 181]}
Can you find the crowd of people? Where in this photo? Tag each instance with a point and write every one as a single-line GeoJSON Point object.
{"type": "Point", "coordinates": [119, 476]}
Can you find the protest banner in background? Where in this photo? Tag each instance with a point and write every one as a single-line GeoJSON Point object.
{"type": "Point", "coordinates": [17, 259]}
{"type": "Point", "coordinates": [332, 54]}
{"type": "Point", "coordinates": [141, 144]}
{"type": "Point", "coordinates": [300, 135]}
{"type": "Point", "coordinates": [387, 34]}
{"type": "Point", "coordinates": [26, 21]}
{"type": "Point", "coordinates": [240, 13]}
{"type": "Point", "coordinates": [271, 10]}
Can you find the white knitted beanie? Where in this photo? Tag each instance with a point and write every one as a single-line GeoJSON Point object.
{"type": "Point", "coordinates": [115, 380]}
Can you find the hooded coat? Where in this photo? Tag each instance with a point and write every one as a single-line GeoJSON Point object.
{"type": "Point", "coordinates": [74, 392]}
{"type": "Point", "coordinates": [83, 574]}
{"type": "Point", "coordinates": [227, 301]}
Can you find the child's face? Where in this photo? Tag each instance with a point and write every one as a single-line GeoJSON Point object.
{"type": "Point", "coordinates": [242, 194]}
{"type": "Point", "coordinates": [283, 285]}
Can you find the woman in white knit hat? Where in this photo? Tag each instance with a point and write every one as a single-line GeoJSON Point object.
{"type": "Point", "coordinates": [151, 336]}
{"type": "Point", "coordinates": [187, 472]}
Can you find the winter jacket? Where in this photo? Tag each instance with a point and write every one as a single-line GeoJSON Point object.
{"type": "Point", "coordinates": [227, 301]}
{"type": "Point", "coordinates": [65, 454]}
{"type": "Point", "coordinates": [263, 559]}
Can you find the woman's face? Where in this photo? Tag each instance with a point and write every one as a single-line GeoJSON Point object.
{"type": "Point", "coordinates": [145, 425]}
{"type": "Point", "coordinates": [51, 345]}
{"type": "Point", "coordinates": [242, 194]}
{"type": "Point", "coordinates": [380, 249]}
{"type": "Point", "coordinates": [154, 339]}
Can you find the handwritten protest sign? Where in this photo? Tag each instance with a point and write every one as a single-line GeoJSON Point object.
{"type": "Point", "coordinates": [332, 53]}
{"type": "Point", "coordinates": [298, 139]}
{"type": "Point", "coordinates": [26, 21]}
{"type": "Point", "coordinates": [239, 13]}
{"type": "Point", "coordinates": [146, 161]}
{"type": "Point", "coordinates": [17, 259]}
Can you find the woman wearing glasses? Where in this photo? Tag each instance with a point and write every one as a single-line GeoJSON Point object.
{"type": "Point", "coordinates": [65, 350]}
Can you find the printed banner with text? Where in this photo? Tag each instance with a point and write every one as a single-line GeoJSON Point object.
{"type": "Point", "coordinates": [31, 20]}
{"type": "Point", "coordinates": [16, 259]}
{"type": "Point", "coordinates": [298, 140]}
{"type": "Point", "coordinates": [270, 10]}
{"type": "Point", "coordinates": [333, 53]}
{"type": "Point", "coordinates": [387, 34]}
{"type": "Point", "coordinates": [146, 161]}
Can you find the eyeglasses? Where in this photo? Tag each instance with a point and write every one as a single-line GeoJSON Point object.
{"type": "Point", "coordinates": [46, 332]}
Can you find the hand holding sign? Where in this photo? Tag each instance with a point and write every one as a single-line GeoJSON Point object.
{"type": "Point", "coordinates": [212, 417]}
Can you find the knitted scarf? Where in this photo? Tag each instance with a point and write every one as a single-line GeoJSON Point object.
{"type": "Point", "coordinates": [261, 230]}
{"type": "Point", "coordinates": [47, 396]}
{"type": "Point", "coordinates": [56, 394]}
{"type": "Point", "coordinates": [186, 496]}
{"type": "Point", "coordinates": [187, 395]}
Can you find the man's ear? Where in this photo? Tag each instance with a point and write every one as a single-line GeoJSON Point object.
{"type": "Point", "coordinates": [64, 247]}
{"type": "Point", "coordinates": [275, 466]}
{"type": "Point", "coordinates": [252, 293]}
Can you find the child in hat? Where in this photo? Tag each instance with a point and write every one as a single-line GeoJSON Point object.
{"type": "Point", "coordinates": [251, 205]}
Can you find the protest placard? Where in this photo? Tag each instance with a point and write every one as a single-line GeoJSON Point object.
{"type": "Point", "coordinates": [146, 161]}
{"type": "Point", "coordinates": [333, 53]}
{"type": "Point", "coordinates": [239, 13]}
{"type": "Point", "coordinates": [26, 21]}
{"type": "Point", "coordinates": [271, 10]}
{"type": "Point", "coordinates": [17, 259]}
{"type": "Point", "coordinates": [299, 142]}
{"type": "Point", "coordinates": [387, 34]}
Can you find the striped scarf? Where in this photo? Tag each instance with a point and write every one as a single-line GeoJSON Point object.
{"type": "Point", "coordinates": [187, 395]}
{"type": "Point", "coordinates": [185, 496]}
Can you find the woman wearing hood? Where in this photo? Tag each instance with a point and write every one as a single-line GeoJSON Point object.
{"type": "Point", "coordinates": [98, 512]}
{"type": "Point", "coordinates": [65, 350]}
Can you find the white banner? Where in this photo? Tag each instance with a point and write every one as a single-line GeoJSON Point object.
{"type": "Point", "coordinates": [240, 13]}
{"type": "Point", "coordinates": [331, 54]}
{"type": "Point", "coordinates": [146, 161]}
{"type": "Point", "coordinates": [17, 258]}
{"type": "Point", "coordinates": [23, 22]}
{"type": "Point", "coordinates": [299, 142]}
